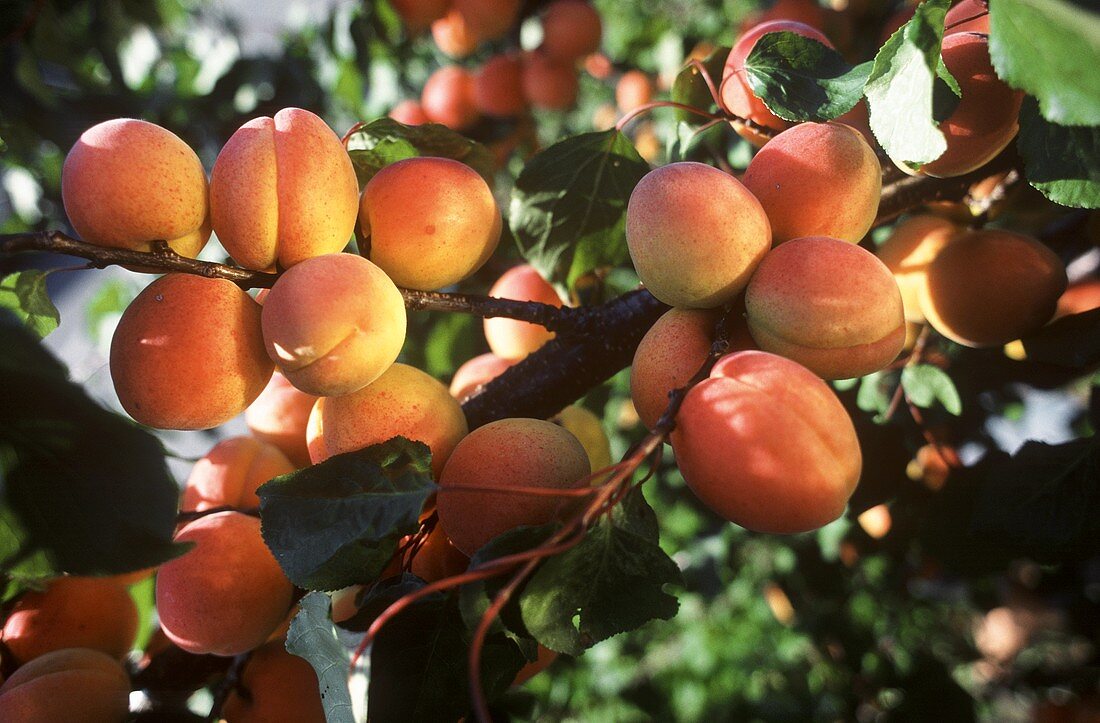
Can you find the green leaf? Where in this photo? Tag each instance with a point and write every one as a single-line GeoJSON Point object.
{"type": "Point", "coordinates": [337, 523]}
{"type": "Point", "coordinates": [24, 294]}
{"type": "Point", "coordinates": [611, 582]}
{"type": "Point", "coordinates": [568, 210]}
{"type": "Point", "coordinates": [872, 396]}
{"type": "Point", "coordinates": [900, 88]}
{"type": "Point", "coordinates": [925, 384]}
{"type": "Point", "coordinates": [1072, 341]}
{"type": "Point", "coordinates": [385, 141]}
{"type": "Point", "coordinates": [801, 79]}
{"type": "Point", "coordinates": [1049, 48]}
{"type": "Point", "coordinates": [691, 89]}
{"type": "Point", "coordinates": [312, 636]}
{"type": "Point", "coordinates": [1062, 162]}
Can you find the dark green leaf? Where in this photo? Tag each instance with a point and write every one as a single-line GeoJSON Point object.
{"type": "Point", "coordinates": [385, 141]}
{"type": "Point", "coordinates": [1072, 341]}
{"type": "Point", "coordinates": [926, 384]}
{"type": "Point", "coordinates": [312, 636]}
{"type": "Point", "coordinates": [337, 523]}
{"type": "Point", "coordinates": [1062, 162]}
{"type": "Point", "coordinates": [24, 294]}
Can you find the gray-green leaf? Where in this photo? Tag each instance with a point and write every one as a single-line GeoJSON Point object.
{"type": "Point", "coordinates": [925, 384]}
{"type": "Point", "coordinates": [24, 293]}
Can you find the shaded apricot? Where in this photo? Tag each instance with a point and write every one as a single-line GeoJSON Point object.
{"type": "Point", "coordinates": [695, 234]}
{"type": "Point", "coordinates": [967, 16]}
{"type": "Point", "coordinates": [409, 112]}
{"type": "Point", "coordinates": [511, 339]}
{"type": "Point", "coordinates": [188, 353]}
{"type": "Point", "coordinates": [227, 594]}
{"type": "Point", "coordinates": [498, 87]}
{"type": "Point", "coordinates": [766, 444]}
{"type": "Point", "coordinates": [807, 12]}
{"type": "Point", "coordinates": [432, 222]}
{"type": "Point", "coordinates": [571, 29]}
{"type": "Point", "coordinates": [547, 83]}
{"type": "Point", "coordinates": [230, 473]}
{"type": "Point", "coordinates": [275, 685]}
{"type": "Point", "coordinates": [279, 417]}
{"type": "Point", "coordinates": [633, 90]}
{"type": "Point", "coordinates": [987, 288]}
{"type": "Point", "coordinates": [1081, 296]}
{"type": "Point", "coordinates": [448, 98]}
{"type": "Point", "coordinates": [419, 14]}
{"type": "Point", "coordinates": [915, 243]}
{"type": "Point", "coordinates": [282, 190]}
{"type": "Point", "coordinates": [437, 558]}
{"type": "Point", "coordinates": [488, 19]}
{"type": "Point", "coordinates": [75, 685]}
{"type": "Point", "coordinates": [544, 657]}
{"type": "Point", "coordinates": [588, 429]}
{"type": "Point", "coordinates": [476, 372]}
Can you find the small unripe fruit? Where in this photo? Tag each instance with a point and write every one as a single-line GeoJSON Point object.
{"type": "Point", "coordinates": [476, 372]}
{"type": "Point", "coordinates": [571, 29]}
{"type": "Point", "coordinates": [511, 339]}
{"type": "Point", "coordinates": [279, 417]}
{"type": "Point", "coordinates": [913, 245]}
{"type": "Point", "coordinates": [230, 473]}
{"type": "Point", "coordinates": [75, 685]}
{"type": "Point", "coordinates": [448, 98]}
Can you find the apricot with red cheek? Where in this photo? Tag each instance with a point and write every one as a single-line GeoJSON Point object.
{"type": "Point", "coordinates": [549, 84]}
{"type": "Point", "coordinates": [1080, 297]}
{"type": "Point", "coordinates": [498, 87]}
{"type": "Point", "coordinates": [633, 90]}
{"type": "Point", "coordinates": [765, 443]}
{"type": "Point", "coordinates": [76, 685]}
{"type": "Point", "coordinates": [477, 372]}
{"type": "Point", "coordinates": [230, 473]}
{"type": "Point", "coordinates": [448, 98]}
{"type": "Point", "coordinates": [511, 339]}
{"type": "Point", "coordinates": [279, 416]}
{"type": "Point", "coordinates": [275, 685]}
{"type": "Point", "coordinates": [828, 305]}
{"type": "Point", "coordinates": [571, 29]}
{"type": "Point", "coordinates": [915, 243]}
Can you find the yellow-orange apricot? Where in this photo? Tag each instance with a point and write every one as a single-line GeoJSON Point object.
{"type": "Point", "coordinates": [473, 374]}
{"type": "Point", "coordinates": [432, 222]}
{"type": "Point", "coordinates": [599, 66]}
{"type": "Point", "coordinates": [695, 234]}
{"type": "Point", "coordinates": [230, 473]}
{"type": "Point", "coordinates": [511, 339]}
{"type": "Point", "coordinates": [633, 90]}
{"type": "Point", "coordinates": [419, 14]}
{"type": "Point", "coordinates": [275, 686]}
{"type": "Point", "coordinates": [453, 35]}
{"type": "Point", "coordinates": [967, 16]}
{"type": "Point", "coordinates": [766, 444]}
{"type": "Point", "coordinates": [279, 417]}
{"type": "Point", "coordinates": [987, 288]}
{"type": "Point", "coordinates": [588, 429]}
{"type": "Point", "coordinates": [333, 324]}
{"type": "Point", "coordinates": [915, 243]}
{"type": "Point", "coordinates": [817, 179]}
{"type": "Point", "coordinates": [828, 305]}
{"type": "Point", "coordinates": [670, 353]}
{"type": "Point", "coordinates": [404, 401]}
{"type": "Point", "coordinates": [127, 183]}
{"type": "Point", "coordinates": [930, 467]}
{"type": "Point", "coordinates": [498, 87]}
{"type": "Point", "coordinates": [72, 612]}
{"type": "Point", "coordinates": [188, 353]}
{"type": "Point", "coordinates": [1080, 297]}
{"type": "Point", "coordinates": [548, 83]}
{"type": "Point", "coordinates": [409, 112]}
{"type": "Point", "coordinates": [571, 29]}
{"type": "Point", "coordinates": [437, 558]}
{"type": "Point", "coordinates": [876, 521]}
{"type": "Point", "coordinates": [344, 605]}
{"type": "Point", "coordinates": [543, 659]}
{"type": "Point", "coordinates": [502, 455]}
{"type": "Point", "coordinates": [987, 117]}
{"type": "Point", "coordinates": [227, 594]}
{"type": "Point", "coordinates": [448, 98]}
{"type": "Point", "coordinates": [75, 685]}
{"type": "Point", "coordinates": [282, 190]}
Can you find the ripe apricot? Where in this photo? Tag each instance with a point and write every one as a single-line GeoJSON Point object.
{"type": "Point", "coordinates": [404, 401]}
{"type": "Point", "coordinates": [282, 190]}
{"type": "Point", "coordinates": [230, 473]}
{"type": "Point", "coordinates": [987, 117]}
{"type": "Point", "coordinates": [987, 288]}
{"type": "Point", "coordinates": [807, 12]}
{"type": "Point", "coordinates": [333, 324]}
{"type": "Point", "coordinates": [549, 84]}
{"type": "Point", "coordinates": [275, 685]}
{"type": "Point", "coordinates": [764, 443]}
{"type": "Point", "coordinates": [419, 14]}
{"type": "Point", "coordinates": [448, 98]}
{"type": "Point", "coordinates": [188, 353]}
{"type": "Point", "coordinates": [453, 35]}
{"type": "Point", "coordinates": [501, 455]}
{"type": "Point", "coordinates": [279, 416]}
{"type": "Point", "coordinates": [437, 558]}
{"type": "Point", "coordinates": [488, 19]}
{"type": "Point", "coordinates": [817, 179]}
{"type": "Point", "coordinates": [695, 234]}
{"type": "Point", "coordinates": [72, 612]}
{"type": "Point", "coordinates": [571, 29]}
{"type": "Point", "coordinates": [498, 87]}
{"type": "Point", "coordinates": [75, 685]}
{"type": "Point", "coordinates": [476, 372]}
{"type": "Point", "coordinates": [543, 659]}
{"type": "Point", "coordinates": [827, 304]}
{"type": "Point", "coordinates": [915, 243]}
{"type": "Point", "coordinates": [432, 222]}
{"type": "Point", "coordinates": [633, 90]}
{"type": "Point", "coordinates": [588, 429]}
{"type": "Point", "coordinates": [409, 112]}
{"type": "Point", "coordinates": [511, 339]}
{"type": "Point", "coordinates": [1080, 297]}
{"type": "Point", "coordinates": [670, 353]}
{"type": "Point", "coordinates": [967, 16]}
{"type": "Point", "coordinates": [127, 183]}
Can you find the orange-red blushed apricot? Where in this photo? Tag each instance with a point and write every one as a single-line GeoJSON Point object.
{"type": "Point", "coordinates": [670, 353]}
{"type": "Point", "coordinates": [409, 112]}
{"type": "Point", "coordinates": [543, 659]}
{"type": "Point", "coordinates": [915, 243]}
{"type": "Point", "coordinates": [967, 16]}
{"type": "Point", "coordinates": [549, 84]}
{"type": "Point", "coordinates": [279, 417]}
{"type": "Point", "coordinates": [275, 685]}
{"type": "Point", "coordinates": [571, 29]}
{"type": "Point", "coordinates": [764, 443]}
{"type": "Point", "coordinates": [230, 473]}
{"type": "Point", "coordinates": [76, 685]}
{"type": "Point", "coordinates": [488, 19]}
{"type": "Point", "coordinates": [448, 98]}
{"type": "Point", "coordinates": [633, 90]}
{"type": "Point", "coordinates": [512, 339]}
{"type": "Point", "coordinates": [476, 372]}
{"type": "Point", "coordinates": [498, 87]}
{"type": "Point", "coordinates": [1080, 297]}
{"type": "Point", "coordinates": [437, 558]}
{"type": "Point", "coordinates": [807, 12]}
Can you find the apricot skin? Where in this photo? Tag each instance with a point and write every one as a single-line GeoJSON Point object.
{"type": "Point", "coordinates": [419, 14]}
{"type": "Point", "coordinates": [767, 445]}
{"type": "Point", "coordinates": [448, 98]}
{"type": "Point", "coordinates": [230, 473]}
{"type": "Point", "coordinates": [670, 353]}
{"type": "Point", "coordinates": [504, 454]}
{"type": "Point", "coordinates": [967, 16]}
{"type": "Point", "coordinates": [127, 183]}
{"type": "Point", "coordinates": [432, 222]}
{"type": "Point", "coordinates": [279, 416]}
{"type": "Point", "coordinates": [409, 112]}
{"type": "Point", "coordinates": [282, 190]}
{"type": "Point", "coordinates": [817, 179]}
{"type": "Point", "coordinates": [511, 339]}
{"type": "Point", "coordinates": [279, 685]}
{"type": "Point", "coordinates": [438, 558]}
{"type": "Point", "coordinates": [633, 90]}
{"type": "Point", "coordinates": [72, 612]}
{"type": "Point", "coordinates": [498, 87]}
{"type": "Point", "coordinates": [571, 29]}
{"type": "Point", "coordinates": [588, 429]}
{"type": "Point", "coordinates": [915, 243]}
{"type": "Point", "coordinates": [227, 594]}
{"type": "Point", "coordinates": [476, 372]}
{"type": "Point", "coordinates": [987, 288]}
{"type": "Point", "coordinates": [549, 84]}
{"type": "Point", "coordinates": [188, 353]}
{"type": "Point", "coordinates": [695, 234]}
{"type": "Point", "coordinates": [75, 685]}
{"type": "Point", "coordinates": [404, 401]}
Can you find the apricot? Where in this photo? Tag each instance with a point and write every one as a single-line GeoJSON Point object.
{"type": "Point", "coordinates": [571, 29]}
{"type": "Point", "coordinates": [670, 354]}
{"type": "Point", "coordinates": [453, 35]}
{"type": "Point", "coordinates": [448, 98]}
{"type": "Point", "coordinates": [511, 339]}
{"type": "Point", "coordinates": [75, 685]}
{"type": "Point", "coordinates": [419, 14]}
{"type": "Point", "coordinates": [72, 612]}
{"type": "Point", "coordinates": [476, 372]}
{"type": "Point", "coordinates": [432, 222]}
{"type": "Point", "coordinates": [227, 594]}
{"type": "Point", "coordinates": [279, 416]}
{"type": "Point", "coordinates": [282, 190]}
{"type": "Point", "coordinates": [828, 305]}
{"type": "Point", "coordinates": [488, 19]}
{"type": "Point", "coordinates": [817, 179]}
{"type": "Point", "coordinates": [633, 90]}
{"type": "Point", "coordinates": [188, 353]}
{"type": "Point", "coordinates": [498, 87]}
{"type": "Point", "coordinates": [409, 112]}
{"type": "Point", "coordinates": [275, 685]}
{"type": "Point", "coordinates": [915, 243]}
{"type": "Point", "coordinates": [543, 659]}
{"type": "Point", "coordinates": [549, 84]}
{"type": "Point", "coordinates": [404, 401]}
{"type": "Point", "coordinates": [987, 117]}
{"type": "Point", "coordinates": [967, 16]}
{"type": "Point", "coordinates": [502, 455]}
{"type": "Point", "coordinates": [807, 12]}
{"type": "Point", "coordinates": [987, 288]}
{"type": "Point", "coordinates": [588, 429]}
{"type": "Point", "coordinates": [230, 473]}
{"type": "Point", "coordinates": [127, 183]}
{"type": "Point", "coordinates": [437, 558]}
{"type": "Point", "coordinates": [1080, 297]}
{"type": "Point", "coordinates": [765, 443]}
{"type": "Point", "coordinates": [695, 234]}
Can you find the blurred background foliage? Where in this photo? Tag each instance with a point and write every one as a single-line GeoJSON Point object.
{"type": "Point", "coordinates": [855, 622]}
